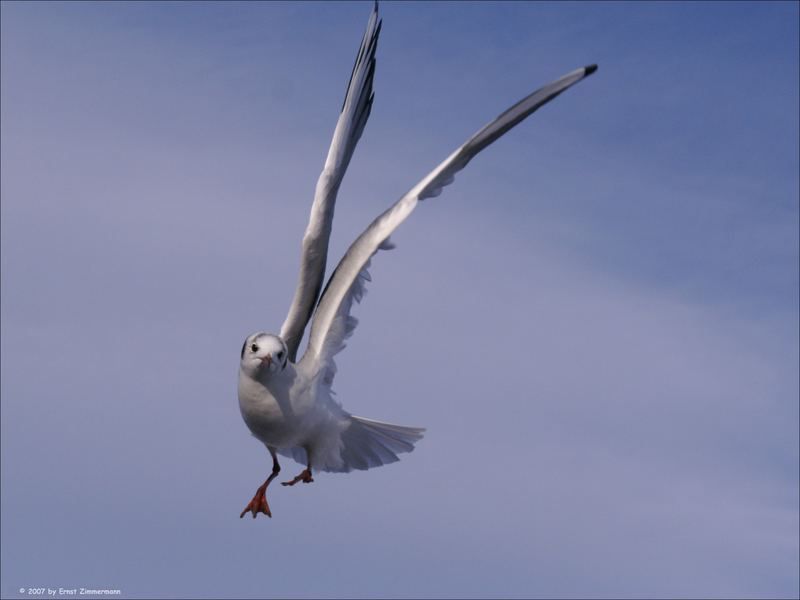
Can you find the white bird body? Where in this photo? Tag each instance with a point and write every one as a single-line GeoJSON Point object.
{"type": "Point", "coordinates": [285, 413]}
{"type": "Point", "coordinates": [289, 405]}
{"type": "Point", "coordinates": [277, 410]}
{"type": "Point", "coordinates": [292, 411]}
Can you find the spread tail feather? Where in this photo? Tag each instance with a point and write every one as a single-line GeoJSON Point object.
{"type": "Point", "coordinates": [367, 443]}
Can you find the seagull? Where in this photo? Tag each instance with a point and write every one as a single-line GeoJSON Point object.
{"type": "Point", "coordinates": [289, 405]}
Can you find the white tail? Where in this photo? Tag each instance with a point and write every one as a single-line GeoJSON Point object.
{"type": "Point", "coordinates": [367, 443]}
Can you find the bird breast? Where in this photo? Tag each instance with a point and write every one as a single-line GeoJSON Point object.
{"type": "Point", "coordinates": [276, 411]}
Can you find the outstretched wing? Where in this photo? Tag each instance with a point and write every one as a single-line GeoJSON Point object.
{"type": "Point", "coordinates": [332, 321]}
{"type": "Point", "coordinates": [355, 112]}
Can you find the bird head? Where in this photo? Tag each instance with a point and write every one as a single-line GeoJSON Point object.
{"type": "Point", "coordinates": [263, 354]}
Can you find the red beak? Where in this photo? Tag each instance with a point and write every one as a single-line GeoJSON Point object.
{"type": "Point", "coordinates": [267, 359]}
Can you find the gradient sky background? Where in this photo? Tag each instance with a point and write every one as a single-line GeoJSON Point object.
{"type": "Point", "coordinates": [598, 323]}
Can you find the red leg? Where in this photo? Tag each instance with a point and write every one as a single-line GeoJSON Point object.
{"type": "Point", "coordinates": [259, 502]}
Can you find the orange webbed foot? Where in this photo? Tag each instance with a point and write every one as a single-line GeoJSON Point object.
{"type": "Point", "coordinates": [305, 477]}
{"type": "Point", "coordinates": [257, 505]}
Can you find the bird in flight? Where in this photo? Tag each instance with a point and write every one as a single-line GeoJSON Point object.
{"type": "Point", "coordinates": [289, 404]}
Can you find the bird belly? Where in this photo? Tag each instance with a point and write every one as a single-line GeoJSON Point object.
{"type": "Point", "coordinates": [271, 415]}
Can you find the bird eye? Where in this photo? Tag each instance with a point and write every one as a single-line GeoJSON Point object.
{"type": "Point", "coordinates": [280, 355]}
{"type": "Point", "coordinates": [254, 348]}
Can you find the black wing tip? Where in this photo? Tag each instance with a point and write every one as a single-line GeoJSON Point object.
{"type": "Point", "coordinates": [589, 70]}
{"type": "Point", "coordinates": [367, 48]}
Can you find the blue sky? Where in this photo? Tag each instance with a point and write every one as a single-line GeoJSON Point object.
{"type": "Point", "coordinates": [597, 323]}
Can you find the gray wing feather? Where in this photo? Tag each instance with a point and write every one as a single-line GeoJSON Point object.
{"type": "Point", "coordinates": [332, 323]}
{"type": "Point", "coordinates": [355, 112]}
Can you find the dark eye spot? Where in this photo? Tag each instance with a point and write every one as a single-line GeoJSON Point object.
{"type": "Point", "coordinates": [280, 355]}
{"type": "Point", "coordinates": [254, 348]}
